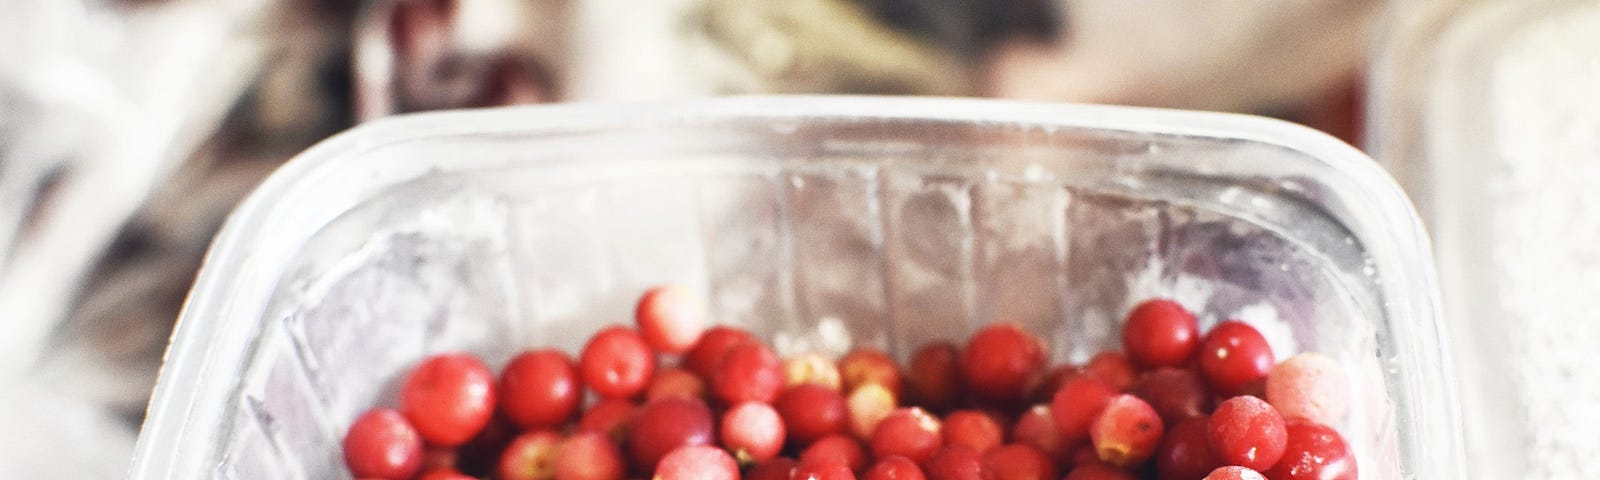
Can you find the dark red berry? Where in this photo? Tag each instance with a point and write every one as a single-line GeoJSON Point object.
{"type": "Point", "coordinates": [665, 425]}
{"type": "Point", "coordinates": [617, 363]}
{"type": "Point", "coordinates": [957, 462]}
{"type": "Point", "coordinates": [1247, 432]}
{"type": "Point", "coordinates": [1020, 462]}
{"type": "Point", "coordinates": [1000, 360]}
{"type": "Point", "coordinates": [382, 444]}
{"type": "Point", "coordinates": [1099, 471]}
{"type": "Point", "coordinates": [748, 372]}
{"type": "Point", "coordinates": [1234, 356]}
{"type": "Point", "coordinates": [840, 449]}
{"type": "Point", "coordinates": [703, 358]}
{"type": "Point", "coordinates": [1314, 452]}
{"type": "Point", "coordinates": [825, 470]}
{"type": "Point", "coordinates": [780, 468]}
{"type": "Point", "coordinates": [933, 376]}
{"type": "Point", "coordinates": [590, 456]}
{"type": "Point", "coordinates": [1112, 368]}
{"type": "Point", "coordinates": [675, 382]}
{"type": "Point", "coordinates": [610, 416]}
{"type": "Point", "coordinates": [974, 429]}
{"type": "Point", "coordinates": [1176, 394]}
{"type": "Point", "coordinates": [908, 432]}
{"type": "Point", "coordinates": [1077, 404]}
{"type": "Point", "coordinates": [894, 467]}
{"type": "Point", "coordinates": [1160, 333]}
{"type": "Point", "coordinates": [1037, 427]}
{"type": "Point", "coordinates": [811, 412]}
{"type": "Point", "coordinates": [449, 398]}
{"type": "Point", "coordinates": [540, 389]}
{"type": "Point", "coordinates": [1185, 451]}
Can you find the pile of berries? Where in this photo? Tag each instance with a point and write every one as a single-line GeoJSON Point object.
{"type": "Point", "coordinates": [675, 400]}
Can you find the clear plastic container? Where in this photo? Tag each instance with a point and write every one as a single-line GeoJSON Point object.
{"type": "Point", "coordinates": [818, 222]}
{"type": "Point", "coordinates": [1488, 111]}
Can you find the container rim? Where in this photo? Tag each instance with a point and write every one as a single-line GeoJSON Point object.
{"type": "Point", "coordinates": [243, 263]}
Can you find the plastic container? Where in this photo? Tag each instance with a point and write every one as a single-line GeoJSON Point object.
{"type": "Point", "coordinates": [818, 222]}
{"type": "Point", "coordinates": [1489, 114]}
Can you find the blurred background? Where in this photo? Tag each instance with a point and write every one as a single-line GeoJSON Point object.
{"type": "Point", "coordinates": [130, 128]}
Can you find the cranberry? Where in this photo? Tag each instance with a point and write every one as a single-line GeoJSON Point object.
{"type": "Point", "coordinates": [1099, 471]}
{"type": "Point", "coordinates": [610, 416]}
{"type": "Point", "coordinates": [811, 367]}
{"type": "Point", "coordinates": [1037, 427]}
{"type": "Point", "coordinates": [1310, 386]}
{"type": "Point", "coordinates": [440, 458]}
{"type": "Point", "coordinates": [1234, 356]}
{"type": "Point", "coordinates": [934, 376]}
{"type": "Point", "coordinates": [381, 444]}
{"type": "Point", "coordinates": [1185, 451]}
{"type": "Point", "coordinates": [449, 398]}
{"type": "Point", "coordinates": [617, 363]}
{"type": "Point", "coordinates": [480, 456]}
{"type": "Point", "coordinates": [1314, 452]}
{"type": "Point", "coordinates": [670, 318]}
{"type": "Point", "coordinates": [697, 462]}
{"type": "Point", "coordinates": [811, 412]}
{"type": "Point", "coordinates": [864, 366]}
{"type": "Point", "coordinates": [532, 456]}
{"type": "Point", "coordinates": [1175, 393]}
{"type": "Point", "coordinates": [1127, 431]}
{"type": "Point", "coordinates": [1113, 368]}
{"type": "Point", "coordinates": [540, 389]}
{"type": "Point", "coordinates": [839, 449]}
{"type": "Point", "coordinates": [590, 456]}
{"type": "Point", "coordinates": [908, 432]}
{"type": "Point", "coordinates": [974, 429]}
{"type": "Point", "coordinates": [713, 344]}
{"type": "Point", "coordinates": [1020, 462]}
{"type": "Point", "coordinates": [1247, 432]}
{"type": "Point", "coordinates": [1234, 472]}
{"type": "Point", "coordinates": [868, 405]}
{"type": "Point", "coordinates": [1085, 454]}
{"type": "Point", "coordinates": [780, 468]}
{"type": "Point", "coordinates": [1077, 404]}
{"type": "Point", "coordinates": [1043, 388]}
{"type": "Point", "coordinates": [957, 462]}
{"type": "Point", "coordinates": [675, 382]}
{"type": "Point", "coordinates": [666, 424]}
{"type": "Point", "coordinates": [823, 470]}
{"type": "Point", "coordinates": [748, 372]}
{"type": "Point", "coordinates": [1160, 333]}
{"type": "Point", "coordinates": [999, 360]}
{"type": "Point", "coordinates": [753, 432]}
{"type": "Point", "coordinates": [894, 467]}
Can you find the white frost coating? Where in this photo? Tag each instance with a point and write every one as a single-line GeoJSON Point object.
{"type": "Point", "coordinates": [1546, 101]}
{"type": "Point", "coordinates": [1279, 334]}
